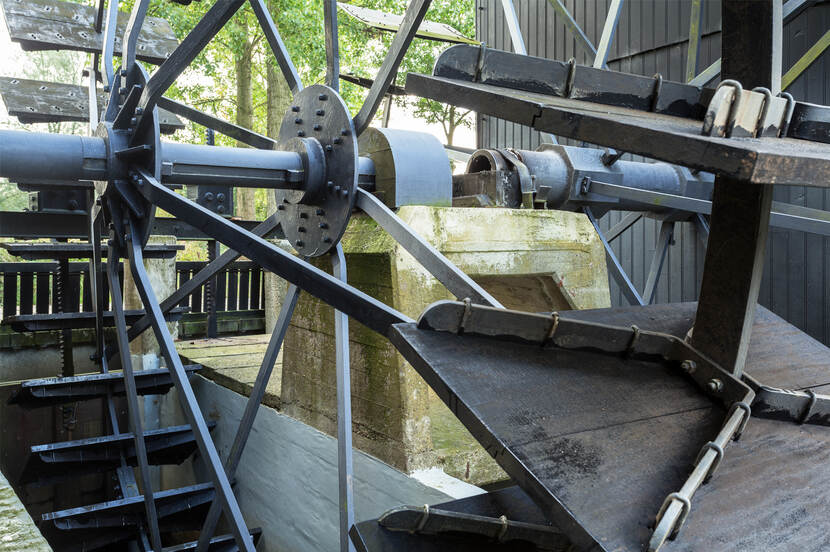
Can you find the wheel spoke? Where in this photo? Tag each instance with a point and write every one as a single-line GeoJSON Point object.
{"type": "Point", "coordinates": [411, 21]}
{"type": "Point", "coordinates": [213, 21]}
{"type": "Point", "coordinates": [266, 22]}
{"type": "Point", "coordinates": [131, 33]}
{"type": "Point", "coordinates": [332, 44]}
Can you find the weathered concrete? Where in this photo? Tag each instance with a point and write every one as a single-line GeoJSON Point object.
{"type": "Point", "coordinates": [521, 256]}
{"type": "Point", "coordinates": [286, 482]}
{"type": "Point", "coordinates": [17, 530]}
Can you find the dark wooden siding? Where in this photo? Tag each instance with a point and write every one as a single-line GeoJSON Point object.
{"type": "Point", "coordinates": [651, 38]}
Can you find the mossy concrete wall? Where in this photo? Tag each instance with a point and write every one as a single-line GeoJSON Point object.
{"type": "Point", "coordinates": [524, 258]}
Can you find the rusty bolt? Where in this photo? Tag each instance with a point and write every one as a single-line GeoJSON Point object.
{"type": "Point", "coordinates": [714, 385]}
{"type": "Point", "coordinates": [688, 366]}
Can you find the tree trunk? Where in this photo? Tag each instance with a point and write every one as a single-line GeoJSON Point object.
{"type": "Point", "coordinates": [278, 98]}
{"type": "Point", "coordinates": [245, 197]}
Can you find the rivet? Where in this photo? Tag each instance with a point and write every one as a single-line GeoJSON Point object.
{"type": "Point", "coordinates": [298, 121]}
{"type": "Point", "coordinates": [323, 97]}
{"type": "Point", "coordinates": [328, 148]}
{"type": "Point", "coordinates": [344, 192]}
{"type": "Point", "coordinates": [295, 108]}
{"type": "Point", "coordinates": [336, 189]}
{"type": "Point", "coordinates": [299, 243]}
{"type": "Point", "coordinates": [714, 385]}
{"type": "Point", "coordinates": [329, 185]}
{"type": "Point", "coordinates": [320, 112]}
{"type": "Point", "coordinates": [133, 121]}
{"type": "Point", "coordinates": [300, 133]}
{"type": "Point", "coordinates": [317, 127]}
{"type": "Point", "coordinates": [324, 225]}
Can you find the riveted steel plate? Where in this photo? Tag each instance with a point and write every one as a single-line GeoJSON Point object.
{"type": "Point", "coordinates": [34, 101]}
{"type": "Point", "coordinates": [606, 439]}
{"type": "Point", "coordinates": [55, 25]}
{"type": "Point", "coordinates": [315, 228]}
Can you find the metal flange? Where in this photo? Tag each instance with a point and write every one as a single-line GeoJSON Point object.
{"type": "Point", "coordinates": [319, 127]}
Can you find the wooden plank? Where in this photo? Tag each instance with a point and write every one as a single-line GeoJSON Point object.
{"type": "Point", "coordinates": [26, 293]}
{"type": "Point", "coordinates": [43, 292]}
{"type": "Point", "coordinates": [233, 289]}
{"type": "Point", "coordinates": [34, 101]}
{"type": "Point", "coordinates": [255, 288]}
{"type": "Point", "coordinates": [56, 25]}
{"type": "Point", "coordinates": [244, 288]}
{"type": "Point", "coordinates": [9, 294]}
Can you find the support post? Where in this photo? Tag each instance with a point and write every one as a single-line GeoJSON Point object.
{"type": "Point", "coordinates": [752, 37]}
{"type": "Point", "coordinates": [344, 410]}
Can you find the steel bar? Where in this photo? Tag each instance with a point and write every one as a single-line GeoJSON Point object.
{"type": "Point", "coordinates": [793, 8]}
{"type": "Point", "coordinates": [734, 262]}
{"type": "Point", "coordinates": [800, 406]}
{"type": "Point", "coordinates": [366, 310]}
{"type": "Point", "coordinates": [400, 44]}
{"type": "Point", "coordinates": [455, 280]}
{"type": "Point", "coordinates": [194, 416]}
{"type": "Point", "coordinates": [783, 215]}
{"type": "Point", "coordinates": [695, 29]}
{"type": "Point", "coordinates": [136, 426]}
{"type": "Point", "coordinates": [332, 44]}
{"type": "Point", "coordinates": [212, 22]}
{"type": "Point", "coordinates": [246, 423]}
{"type": "Point", "coordinates": [231, 130]}
{"type": "Point", "coordinates": [627, 222]}
{"type": "Point", "coordinates": [96, 279]}
{"type": "Point", "coordinates": [805, 61]}
{"type": "Point", "coordinates": [608, 31]}
{"type": "Point", "coordinates": [512, 20]}
{"type": "Point", "coordinates": [109, 43]}
{"type": "Point", "coordinates": [664, 240]}
{"type": "Point", "coordinates": [92, 100]}
{"type": "Point", "coordinates": [434, 521]}
{"type": "Point", "coordinates": [581, 38]}
{"type": "Point", "coordinates": [614, 265]}
{"type": "Point", "coordinates": [345, 464]}
{"type": "Point", "coordinates": [266, 22]}
{"type": "Point", "coordinates": [130, 40]}
{"type": "Point", "coordinates": [707, 74]}
{"type": "Point", "coordinates": [200, 278]}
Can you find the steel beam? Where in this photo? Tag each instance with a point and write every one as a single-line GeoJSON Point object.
{"type": "Point", "coordinates": [581, 38]}
{"type": "Point", "coordinates": [400, 44]}
{"type": "Point", "coordinates": [332, 44]}
{"type": "Point", "coordinates": [278, 48]}
{"type": "Point", "coordinates": [345, 463]}
{"type": "Point", "coordinates": [192, 412]}
{"type": "Point", "coordinates": [363, 308]}
{"type": "Point", "coordinates": [608, 31]}
{"type": "Point", "coordinates": [252, 406]}
{"type": "Point", "coordinates": [752, 39]}
{"type": "Point", "coordinates": [614, 266]}
{"type": "Point", "coordinates": [512, 20]}
{"type": "Point", "coordinates": [695, 28]}
{"type": "Point", "coordinates": [455, 280]}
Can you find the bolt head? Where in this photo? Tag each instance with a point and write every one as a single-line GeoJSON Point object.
{"type": "Point", "coordinates": [338, 140]}
{"type": "Point", "coordinates": [344, 132]}
{"type": "Point", "coordinates": [298, 121]}
{"type": "Point", "coordinates": [320, 112]}
{"type": "Point", "coordinates": [295, 108]}
{"type": "Point", "coordinates": [688, 366]}
{"type": "Point", "coordinates": [323, 97]}
{"type": "Point", "coordinates": [139, 110]}
{"type": "Point", "coordinates": [133, 121]}
{"type": "Point", "coordinates": [299, 243]}
{"type": "Point", "coordinates": [320, 212]}
{"type": "Point", "coordinates": [301, 229]}
{"type": "Point", "coordinates": [300, 133]}
{"type": "Point", "coordinates": [280, 207]}
{"type": "Point", "coordinates": [329, 148]}
{"type": "Point", "coordinates": [317, 127]}
{"type": "Point", "coordinates": [324, 225]}
{"type": "Point", "coordinates": [714, 385]}
{"type": "Point", "coordinates": [326, 240]}
{"type": "Point", "coordinates": [122, 91]}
